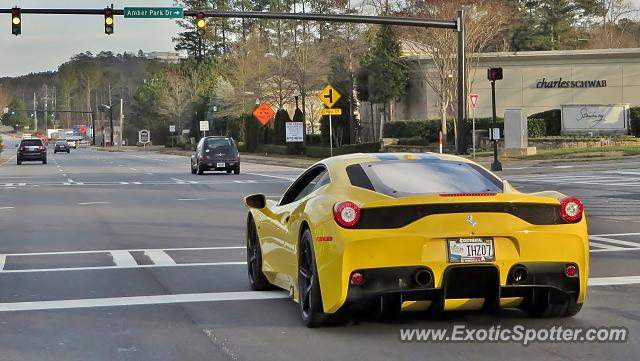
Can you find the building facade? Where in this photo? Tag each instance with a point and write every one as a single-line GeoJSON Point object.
{"type": "Point", "coordinates": [534, 81]}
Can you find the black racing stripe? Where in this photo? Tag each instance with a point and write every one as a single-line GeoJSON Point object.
{"type": "Point", "coordinates": [379, 218]}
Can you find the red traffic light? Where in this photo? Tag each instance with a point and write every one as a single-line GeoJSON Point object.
{"type": "Point", "coordinates": [16, 21]}
{"type": "Point", "coordinates": [108, 21]}
{"type": "Point", "coordinates": [494, 74]}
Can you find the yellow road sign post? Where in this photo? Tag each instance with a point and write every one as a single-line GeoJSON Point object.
{"type": "Point", "coordinates": [330, 96]}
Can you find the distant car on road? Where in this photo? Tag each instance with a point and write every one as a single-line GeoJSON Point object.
{"type": "Point", "coordinates": [217, 154]}
{"type": "Point", "coordinates": [61, 146]}
{"type": "Point", "coordinates": [385, 232]}
{"type": "Point", "coordinates": [72, 143]}
{"type": "Point", "coordinates": [31, 150]}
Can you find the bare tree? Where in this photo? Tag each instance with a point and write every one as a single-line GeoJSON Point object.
{"type": "Point", "coordinates": [435, 49]}
{"type": "Point", "coordinates": [611, 32]}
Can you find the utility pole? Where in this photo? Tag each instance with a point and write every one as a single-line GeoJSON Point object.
{"type": "Point", "coordinates": [35, 113]}
{"type": "Point", "coordinates": [121, 118]}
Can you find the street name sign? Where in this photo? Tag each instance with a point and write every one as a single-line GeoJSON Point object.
{"type": "Point", "coordinates": [204, 126]}
{"type": "Point", "coordinates": [330, 96]}
{"type": "Point", "coordinates": [331, 111]}
{"type": "Point", "coordinates": [264, 113]}
{"type": "Point", "coordinates": [172, 128]}
{"type": "Point", "coordinates": [294, 132]}
{"type": "Point", "coordinates": [153, 13]}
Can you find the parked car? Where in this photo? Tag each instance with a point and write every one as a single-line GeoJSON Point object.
{"type": "Point", "coordinates": [61, 146]}
{"type": "Point", "coordinates": [217, 154]}
{"type": "Point", "coordinates": [31, 150]}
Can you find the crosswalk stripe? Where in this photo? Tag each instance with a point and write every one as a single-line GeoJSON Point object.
{"type": "Point", "coordinates": [615, 241]}
{"type": "Point", "coordinates": [159, 257]}
{"type": "Point", "coordinates": [605, 246]}
{"type": "Point", "coordinates": [123, 259]}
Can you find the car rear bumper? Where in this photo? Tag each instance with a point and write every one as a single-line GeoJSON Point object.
{"type": "Point", "coordinates": [464, 285]}
{"type": "Point", "coordinates": [32, 156]}
{"type": "Point", "coordinates": [217, 164]}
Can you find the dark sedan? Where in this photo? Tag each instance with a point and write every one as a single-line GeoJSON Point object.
{"type": "Point", "coordinates": [216, 153]}
{"type": "Point", "coordinates": [61, 146]}
{"type": "Point", "coordinates": [31, 150]}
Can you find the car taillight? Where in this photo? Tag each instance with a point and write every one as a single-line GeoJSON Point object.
{"type": "Point", "coordinates": [571, 209]}
{"type": "Point", "coordinates": [21, 149]}
{"type": "Point", "coordinates": [238, 156]}
{"type": "Point", "coordinates": [200, 157]}
{"type": "Point", "coordinates": [41, 147]}
{"type": "Point", "coordinates": [346, 213]}
{"type": "Point", "coordinates": [571, 270]}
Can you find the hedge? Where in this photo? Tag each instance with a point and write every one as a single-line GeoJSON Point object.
{"type": "Point", "coordinates": [323, 152]}
{"type": "Point", "coordinates": [552, 120]}
{"type": "Point", "coordinates": [537, 128]}
{"type": "Point", "coordinates": [634, 117]}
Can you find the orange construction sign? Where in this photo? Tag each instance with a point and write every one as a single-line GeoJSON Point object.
{"type": "Point", "coordinates": [264, 113]}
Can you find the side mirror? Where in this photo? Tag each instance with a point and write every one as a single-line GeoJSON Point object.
{"type": "Point", "coordinates": [257, 201]}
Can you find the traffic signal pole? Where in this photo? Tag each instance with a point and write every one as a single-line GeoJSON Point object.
{"type": "Point", "coordinates": [456, 25]}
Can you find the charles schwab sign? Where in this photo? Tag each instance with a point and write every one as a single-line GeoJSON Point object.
{"type": "Point", "coordinates": [562, 83]}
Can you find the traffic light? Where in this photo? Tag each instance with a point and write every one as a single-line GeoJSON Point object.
{"type": "Point", "coordinates": [201, 23]}
{"type": "Point", "coordinates": [108, 21]}
{"type": "Point", "coordinates": [494, 74]}
{"type": "Point", "coordinates": [16, 21]}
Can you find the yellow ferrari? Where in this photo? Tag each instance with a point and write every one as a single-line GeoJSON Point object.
{"type": "Point", "coordinates": [401, 231]}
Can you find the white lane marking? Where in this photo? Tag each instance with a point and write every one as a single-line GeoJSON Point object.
{"type": "Point", "coordinates": [70, 180]}
{"type": "Point", "coordinates": [219, 248]}
{"type": "Point", "coordinates": [22, 184]}
{"type": "Point", "coordinates": [137, 183]}
{"type": "Point", "coordinates": [123, 259]}
{"type": "Point", "coordinates": [133, 169]}
{"type": "Point", "coordinates": [614, 241]}
{"type": "Point", "coordinates": [606, 246]}
{"type": "Point", "coordinates": [124, 182]}
{"type": "Point", "coordinates": [615, 234]}
{"type": "Point", "coordinates": [3, 259]}
{"type": "Point", "coordinates": [66, 269]}
{"type": "Point", "coordinates": [515, 168]}
{"type": "Point", "coordinates": [191, 199]}
{"type": "Point", "coordinates": [149, 173]}
{"type": "Point", "coordinates": [609, 281]}
{"type": "Point", "coordinates": [159, 257]}
{"type": "Point", "coordinates": [89, 203]}
{"type": "Point", "coordinates": [142, 300]}
{"type": "Point", "coordinates": [563, 166]}
{"type": "Point", "coordinates": [64, 175]}
{"type": "Point", "coordinates": [272, 176]}
{"type": "Point", "coordinates": [79, 183]}
{"type": "Point", "coordinates": [5, 208]}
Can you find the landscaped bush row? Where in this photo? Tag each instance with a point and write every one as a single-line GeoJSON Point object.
{"type": "Point", "coordinates": [634, 117]}
{"type": "Point", "coordinates": [552, 121]}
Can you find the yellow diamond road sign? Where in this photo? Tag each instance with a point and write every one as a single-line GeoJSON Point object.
{"type": "Point", "coordinates": [329, 96]}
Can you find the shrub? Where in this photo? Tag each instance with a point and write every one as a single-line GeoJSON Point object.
{"type": "Point", "coordinates": [272, 149]}
{"type": "Point", "coordinates": [413, 141]}
{"type": "Point", "coordinates": [323, 152]}
{"type": "Point", "coordinates": [634, 118]}
{"type": "Point", "coordinates": [537, 128]}
{"type": "Point", "coordinates": [552, 120]}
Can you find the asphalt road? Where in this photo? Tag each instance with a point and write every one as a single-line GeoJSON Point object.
{"type": "Point", "coordinates": [127, 256]}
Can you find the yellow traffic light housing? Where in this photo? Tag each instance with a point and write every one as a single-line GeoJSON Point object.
{"type": "Point", "coordinates": [108, 21]}
{"type": "Point", "coordinates": [201, 23]}
{"type": "Point", "coordinates": [16, 21]}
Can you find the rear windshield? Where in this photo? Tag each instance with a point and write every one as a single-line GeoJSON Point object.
{"type": "Point", "coordinates": [61, 142]}
{"type": "Point", "coordinates": [222, 144]}
{"type": "Point", "coordinates": [31, 142]}
{"type": "Point", "coordinates": [406, 178]}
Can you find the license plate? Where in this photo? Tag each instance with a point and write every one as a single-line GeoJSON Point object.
{"type": "Point", "coordinates": [470, 250]}
{"type": "Point", "coordinates": [220, 165]}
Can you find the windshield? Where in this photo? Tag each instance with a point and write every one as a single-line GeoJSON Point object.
{"type": "Point", "coordinates": [31, 142]}
{"type": "Point", "coordinates": [404, 178]}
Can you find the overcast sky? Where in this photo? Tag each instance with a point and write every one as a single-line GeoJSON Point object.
{"type": "Point", "coordinates": [48, 40]}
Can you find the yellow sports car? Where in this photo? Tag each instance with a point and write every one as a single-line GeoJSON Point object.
{"type": "Point", "coordinates": [403, 231]}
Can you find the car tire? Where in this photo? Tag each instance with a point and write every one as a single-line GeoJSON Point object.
{"type": "Point", "coordinates": [236, 170]}
{"type": "Point", "coordinates": [550, 305]}
{"type": "Point", "coordinates": [193, 170]}
{"type": "Point", "coordinates": [68, 151]}
{"type": "Point", "coordinates": [55, 152]}
{"type": "Point", "coordinates": [228, 171]}
{"type": "Point", "coordinates": [44, 161]}
{"type": "Point", "coordinates": [309, 292]}
{"type": "Point", "coordinates": [200, 171]}
{"type": "Point", "coordinates": [19, 162]}
{"type": "Point", "coordinates": [257, 279]}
